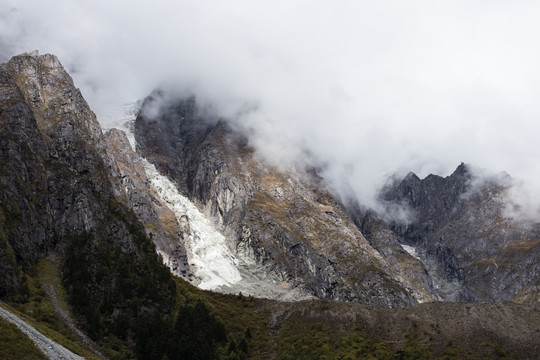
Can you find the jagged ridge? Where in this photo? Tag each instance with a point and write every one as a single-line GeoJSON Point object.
{"type": "Point", "coordinates": [472, 249]}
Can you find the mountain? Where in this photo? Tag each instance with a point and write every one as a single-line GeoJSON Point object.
{"type": "Point", "coordinates": [282, 219]}
{"type": "Point", "coordinates": [461, 230]}
{"type": "Point", "coordinates": [123, 233]}
{"type": "Point", "coordinates": [58, 197]}
{"type": "Point", "coordinates": [455, 244]}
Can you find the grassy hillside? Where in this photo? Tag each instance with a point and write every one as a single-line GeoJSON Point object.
{"type": "Point", "coordinates": [242, 327]}
{"type": "Point", "coordinates": [333, 330]}
{"type": "Point", "coordinates": [14, 344]}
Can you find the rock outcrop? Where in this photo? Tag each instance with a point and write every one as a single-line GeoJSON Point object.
{"type": "Point", "coordinates": [49, 159]}
{"type": "Point", "coordinates": [408, 266]}
{"type": "Point", "coordinates": [53, 171]}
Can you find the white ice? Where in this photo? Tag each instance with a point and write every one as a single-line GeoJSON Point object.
{"type": "Point", "coordinates": [210, 259]}
{"type": "Point", "coordinates": [411, 250]}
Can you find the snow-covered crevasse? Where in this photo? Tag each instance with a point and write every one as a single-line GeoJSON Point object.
{"type": "Point", "coordinates": [209, 257]}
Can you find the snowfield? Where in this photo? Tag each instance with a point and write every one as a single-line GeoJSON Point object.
{"type": "Point", "coordinates": [411, 250]}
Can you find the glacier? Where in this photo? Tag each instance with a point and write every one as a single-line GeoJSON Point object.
{"type": "Point", "coordinates": [209, 257]}
{"type": "Point", "coordinates": [214, 265]}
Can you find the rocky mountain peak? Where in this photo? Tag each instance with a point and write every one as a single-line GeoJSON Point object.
{"type": "Point", "coordinates": [432, 197]}
{"type": "Point", "coordinates": [60, 197]}
{"type": "Point", "coordinates": [52, 96]}
{"type": "Point", "coordinates": [411, 177]}
{"type": "Point", "coordinates": [461, 170]}
{"type": "Point", "coordinates": [458, 227]}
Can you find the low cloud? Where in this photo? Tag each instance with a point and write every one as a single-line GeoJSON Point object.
{"type": "Point", "coordinates": [523, 201]}
{"type": "Point", "coordinates": [368, 88]}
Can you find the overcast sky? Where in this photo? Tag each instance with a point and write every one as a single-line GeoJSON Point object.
{"type": "Point", "coordinates": [369, 87]}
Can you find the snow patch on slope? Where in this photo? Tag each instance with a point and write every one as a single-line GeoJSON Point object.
{"type": "Point", "coordinates": [411, 250]}
{"type": "Point", "coordinates": [213, 264]}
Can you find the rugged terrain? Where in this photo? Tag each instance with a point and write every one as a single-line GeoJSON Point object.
{"type": "Point", "coordinates": [461, 244]}
{"type": "Point", "coordinates": [283, 219]}
{"type": "Point", "coordinates": [58, 197]}
{"type": "Point", "coordinates": [87, 199]}
{"type": "Point", "coordinates": [460, 227]}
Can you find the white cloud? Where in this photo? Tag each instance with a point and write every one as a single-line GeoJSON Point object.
{"type": "Point", "coordinates": [370, 87]}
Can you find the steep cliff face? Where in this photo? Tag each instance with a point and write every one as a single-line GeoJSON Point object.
{"type": "Point", "coordinates": [57, 195]}
{"type": "Point", "coordinates": [471, 249]}
{"type": "Point", "coordinates": [22, 178]}
{"type": "Point", "coordinates": [407, 264]}
{"type": "Point", "coordinates": [71, 135]}
{"type": "Point", "coordinates": [53, 160]}
{"type": "Point", "coordinates": [50, 135]}
{"type": "Point", "coordinates": [284, 220]}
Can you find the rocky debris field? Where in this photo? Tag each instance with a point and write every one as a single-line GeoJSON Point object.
{"type": "Point", "coordinates": [50, 348]}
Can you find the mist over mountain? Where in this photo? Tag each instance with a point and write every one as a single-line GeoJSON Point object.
{"type": "Point", "coordinates": [272, 180]}
{"type": "Point", "coordinates": [368, 89]}
{"type": "Point", "coordinates": [122, 232]}
{"type": "Point", "coordinates": [439, 238]}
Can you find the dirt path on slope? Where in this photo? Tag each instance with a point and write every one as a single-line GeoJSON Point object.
{"type": "Point", "coordinates": [50, 348]}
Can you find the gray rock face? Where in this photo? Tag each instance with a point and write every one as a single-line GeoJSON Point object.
{"type": "Point", "coordinates": [284, 220]}
{"type": "Point", "coordinates": [48, 159]}
{"type": "Point", "coordinates": [22, 176]}
{"type": "Point", "coordinates": [57, 181]}
{"type": "Point", "coordinates": [412, 271]}
{"type": "Point", "coordinates": [134, 190]}
{"type": "Point", "coordinates": [61, 134]}
{"type": "Point", "coordinates": [471, 250]}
